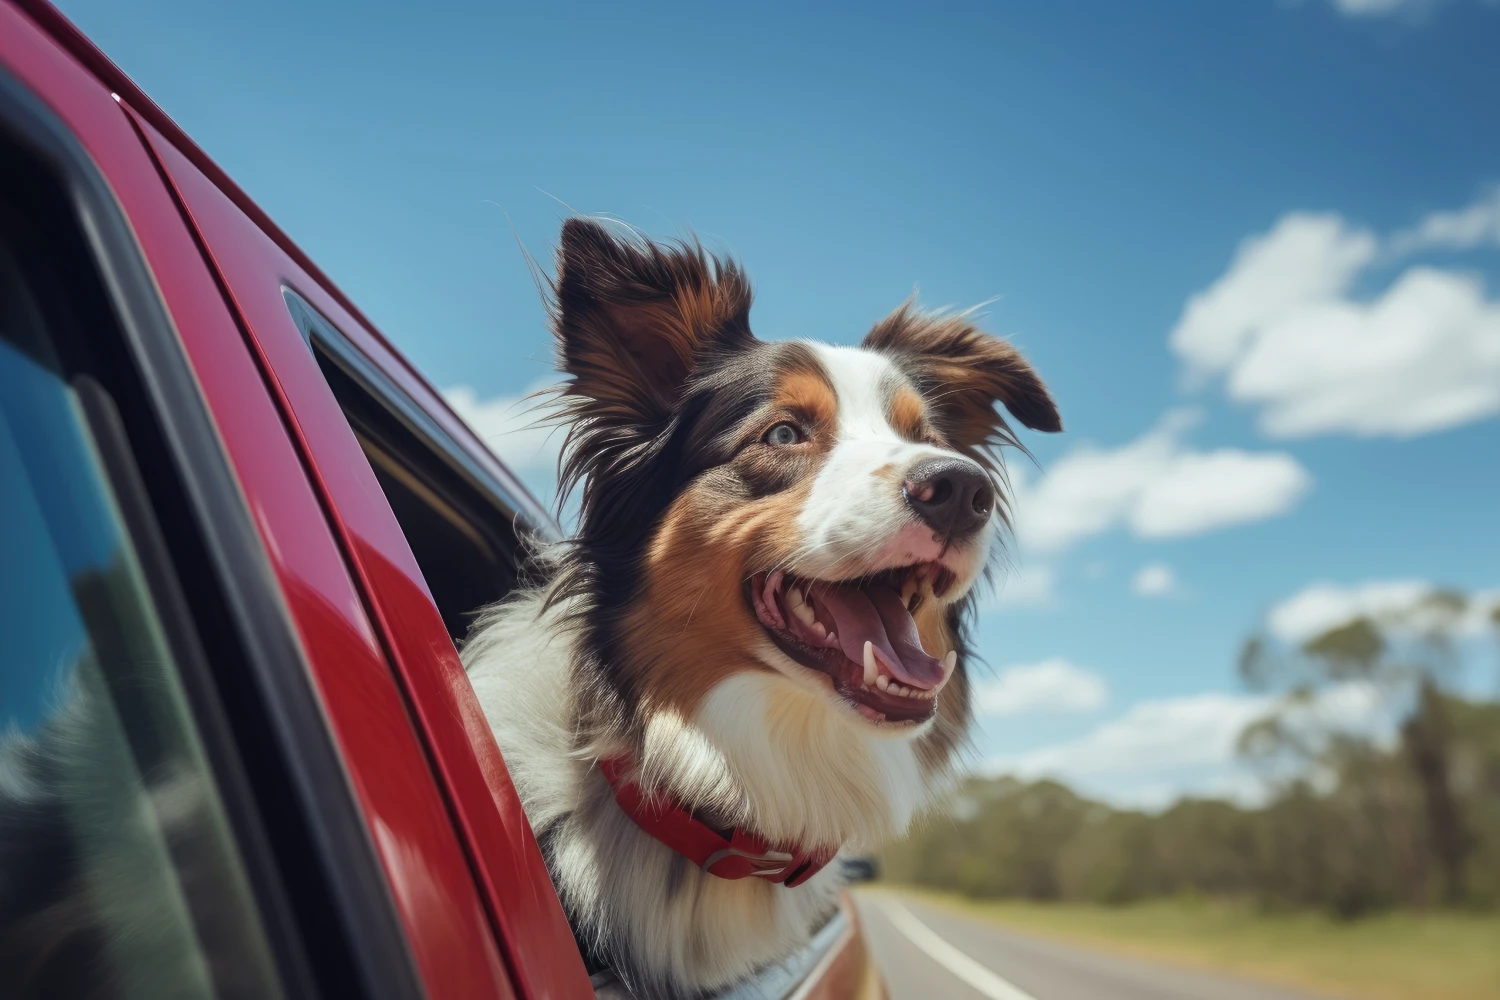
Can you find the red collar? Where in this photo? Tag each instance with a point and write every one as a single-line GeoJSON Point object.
{"type": "Point", "coordinates": [740, 855]}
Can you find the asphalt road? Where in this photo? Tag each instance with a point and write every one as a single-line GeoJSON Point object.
{"type": "Point", "coordinates": [930, 954]}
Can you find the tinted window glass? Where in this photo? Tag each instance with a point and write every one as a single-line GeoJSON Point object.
{"type": "Point", "coordinates": [118, 875]}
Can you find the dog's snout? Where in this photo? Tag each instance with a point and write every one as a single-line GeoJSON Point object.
{"type": "Point", "coordinates": [952, 496]}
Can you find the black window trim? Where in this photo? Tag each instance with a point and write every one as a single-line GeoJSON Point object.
{"type": "Point", "coordinates": [143, 529]}
{"type": "Point", "coordinates": [511, 501]}
{"type": "Point", "coordinates": [372, 931]}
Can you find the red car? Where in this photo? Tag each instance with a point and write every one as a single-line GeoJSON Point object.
{"type": "Point", "coordinates": [240, 537]}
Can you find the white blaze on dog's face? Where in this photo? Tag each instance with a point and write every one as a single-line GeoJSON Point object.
{"type": "Point", "coordinates": [814, 511]}
{"type": "Point", "coordinates": [853, 521]}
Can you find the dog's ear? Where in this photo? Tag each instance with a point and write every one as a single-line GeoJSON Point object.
{"type": "Point", "coordinates": [633, 318]}
{"type": "Point", "coordinates": [963, 372]}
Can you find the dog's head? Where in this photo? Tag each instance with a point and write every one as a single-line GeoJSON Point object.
{"type": "Point", "coordinates": [815, 512]}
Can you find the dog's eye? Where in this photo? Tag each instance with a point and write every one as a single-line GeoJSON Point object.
{"type": "Point", "coordinates": [782, 435]}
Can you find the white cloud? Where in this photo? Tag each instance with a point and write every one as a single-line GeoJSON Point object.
{"type": "Point", "coordinates": [1380, 8]}
{"type": "Point", "coordinates": [1157, 487]}
{"type": "Point", "coordinates": [1304, 258]}
{"type": "Point", "coordinates": [1467, 228]}
{"type": "Point", "coordinates": [1052, 686]}
{"type": "Point", "coordinates": [1158, 749]}
{"type": "Point", "coordinates": [1321, 606]}
{"type": "Point", "coordinates": [1154, 580]}
{"type": "Point", "coordinates": [1161, 749]}
{"type": "Point", "coordinates": [1282, 327]}
{"type": "Point", "coordinates": [1032, 585]}
{"type": "Point", "coordinates": [1204, 491]}
{"type": "Point", "coordinates": [1424, 356]}
{"type": "Point", "coordinates": [515, 428]}
{"type": "Point", "coordinates": [1351, 707]}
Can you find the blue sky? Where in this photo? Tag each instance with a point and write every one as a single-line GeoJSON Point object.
{"type": "Point", "coordinates": [1318, 177]}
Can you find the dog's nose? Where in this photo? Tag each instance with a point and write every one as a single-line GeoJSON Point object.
{"type": "Point", "coordinates": [952, 496]}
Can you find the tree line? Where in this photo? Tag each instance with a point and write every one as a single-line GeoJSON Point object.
{"type": "Point", "coordinates": [1400, 810]}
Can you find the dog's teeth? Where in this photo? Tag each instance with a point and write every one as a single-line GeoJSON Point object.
{"type": "Point", "coordinates": [883, 682]}
{"type": "Point", "coordinates": [803, 613]}
{"type": "Point", "coordinates": [833, 639]}
{"type": "Point", "coordinates": [870, 670]}
{"type": "Point", "coordinates": [817, 629]}
{"type": "Point", "coordinates": [794, 597]}
{"type": "Point", "coordinates": [950, 661]}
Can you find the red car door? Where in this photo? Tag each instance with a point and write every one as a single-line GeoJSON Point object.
{"type": "Point", "coordinates": [240, 568]}
{"type": "Point", "coordinates": [357, 604]}
{"type": "Point", "coordinates": [258, 272]}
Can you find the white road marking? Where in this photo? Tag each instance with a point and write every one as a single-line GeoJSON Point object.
{"type": "Point", "coordinates": [949, 957]}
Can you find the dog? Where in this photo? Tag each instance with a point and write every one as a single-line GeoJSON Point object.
{"type": "Point", "coordinates": [751, 657]}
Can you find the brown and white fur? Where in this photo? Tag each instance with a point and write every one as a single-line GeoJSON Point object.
{"type": "Point", "coordinates": [649, 632]}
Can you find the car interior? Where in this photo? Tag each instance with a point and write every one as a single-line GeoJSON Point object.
{"type": "Point", "coordinates": [461, 531]}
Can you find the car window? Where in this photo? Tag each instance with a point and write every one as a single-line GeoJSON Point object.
{"type": "Point", "coordinates": [118, 873]}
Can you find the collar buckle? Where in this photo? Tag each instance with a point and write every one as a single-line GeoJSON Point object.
{"type": "Point", "coordinates": [767, 864]}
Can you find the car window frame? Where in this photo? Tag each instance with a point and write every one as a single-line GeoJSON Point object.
{"type": "Point", "coordinates": [521, 512]}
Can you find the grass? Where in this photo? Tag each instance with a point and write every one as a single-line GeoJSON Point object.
{"type": "Point", "coordinates": [1396, 956]}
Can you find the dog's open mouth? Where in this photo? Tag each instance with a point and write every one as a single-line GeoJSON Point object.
{"type": "Point", "coordinates": [862, 635]}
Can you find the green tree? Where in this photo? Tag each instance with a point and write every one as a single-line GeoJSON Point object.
{"type": "Point", "coordinates": [1407, 656]}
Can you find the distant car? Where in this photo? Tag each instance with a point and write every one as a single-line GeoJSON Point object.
{"type": "Point", "coordinates": [861, 869]}
{"type": "Point", "coordinates": [252, 533]}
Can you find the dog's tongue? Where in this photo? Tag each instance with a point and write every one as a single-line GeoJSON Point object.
{"type": "Point", "coordinates": [875, 614]}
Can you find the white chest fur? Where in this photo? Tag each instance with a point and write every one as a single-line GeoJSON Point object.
{"type": "Point", "coordinates": [758, 745]}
